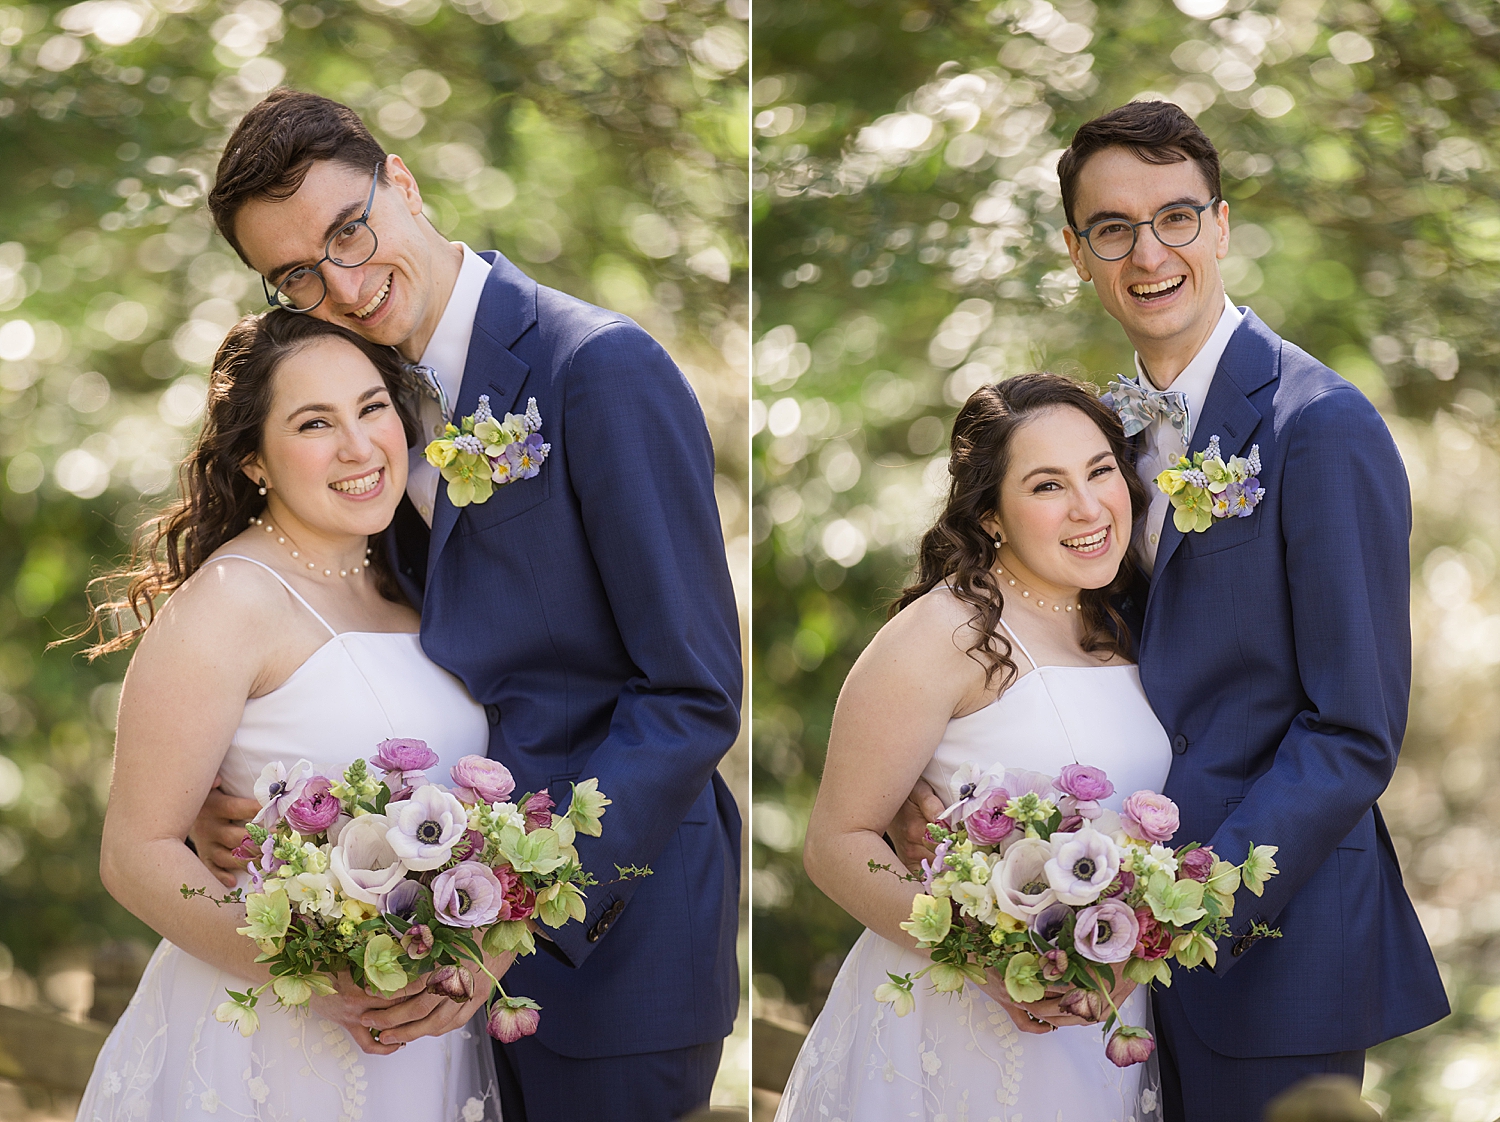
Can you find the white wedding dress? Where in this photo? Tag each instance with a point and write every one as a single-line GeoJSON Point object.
{"type": "Point", "coordinates": [169, 1059]}
{"type": "Point", "coordinates": [957, 1057]}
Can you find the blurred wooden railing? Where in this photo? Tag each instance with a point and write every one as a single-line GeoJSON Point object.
{"type": "Point", "coordinates": [47, 1057]}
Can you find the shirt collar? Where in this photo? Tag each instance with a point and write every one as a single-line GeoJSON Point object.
{"type": "Point", "coordinates": [1198, 375]}
{"type": "Point", "coordinates": [448, 349]}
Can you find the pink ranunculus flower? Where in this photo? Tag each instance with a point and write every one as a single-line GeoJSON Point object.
{"type": "Point", "coordinates": [315, 809]}
{"type": "Point", "coordinates": [490, 780]}
{"type": "Point", "coordinates": [404, 755]}
{"type": "Point", "coordinates": [1196, 864]}
{"type": "Point", "coordinates": [1150, 817]}
{"type": "Point", "coordinates": [987, 823]}
{"type": "Point", "coordinates": [425, 827]}
{"type": "Point", "coordinates": [467, 895]}
{"type": "Point", "coordinates": [538, 810]}
{"type": "Point", "coordinates": [512, 1018]}
{"type": "Point", "coordinates": [1154, 940]}
{"type": "Point", "coordinates": [1086, 784]}
{"type": "Point", "coordinates": [363, 861]}
{"type": "Point", "coordinates": [1106, 932]}
{"type": "Point", "coordinates": [520, 901]}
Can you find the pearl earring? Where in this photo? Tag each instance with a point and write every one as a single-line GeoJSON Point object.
{"type": "Point", "coordinates": [262, 486]}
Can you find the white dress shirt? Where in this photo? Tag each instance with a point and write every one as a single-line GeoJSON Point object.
{"type": "Point", "coordinates": [446, 353]}
{"type": "Point", "coordinates": [1193, 384]}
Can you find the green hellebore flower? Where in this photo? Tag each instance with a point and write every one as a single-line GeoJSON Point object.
{"type": "Point", "coordinates": [381, 966]}
{"type": "Point", "coordinates": [930, 920]}
{"type": "Point", "coordinates": [1023, 978]}
{"type": "Point", "coordinates": [269, 915]}
{"type": "Point", "coordinates": [1259, 867]}
{"type": "Point", "coordinates": [949, 978]}
{"type": "Point", "coordinates": [509, 935]}
{"type": "Point", "coordinates": [537, 852]}
{"type": "Point", "coordinates": [1142, 971]}
{"type": "Point", "coordinates": [292, 990]}
{"type": "Point", "coordinates": [587, 807]}
{"type": "Point", "coordinates": [557, 902]}
{"type": "Point", "coordinates": [897, 996]}
{"type": "Point", "coordinates": [1178, 902]}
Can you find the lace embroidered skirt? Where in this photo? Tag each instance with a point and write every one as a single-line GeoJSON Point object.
{"type": "Point", "coordinates": [955, 1058]}
{"type": "Point", "coordinates": [168, 1060]}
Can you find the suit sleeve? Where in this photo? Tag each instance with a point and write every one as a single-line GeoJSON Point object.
{"type": "Point", "coordinates": [641, 464]}
{"type": "Point", "coordinates": [1346, 520]}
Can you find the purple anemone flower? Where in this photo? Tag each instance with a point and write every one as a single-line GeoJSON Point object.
{"type": "Point", "coordinates": [1106, 932]}
{"type": "Point", "coordinates": [468, 895]}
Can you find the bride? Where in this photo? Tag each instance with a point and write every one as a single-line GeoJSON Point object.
{"type": "Point", "coordinates": [1004, 653]}
{"type": "Point", "coordinates": [284, 637]}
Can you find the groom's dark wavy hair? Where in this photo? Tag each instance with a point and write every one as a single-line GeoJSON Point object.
{"type": "Point", "coordinates": [959, 552]}
{"type": "Point", "coordinates": [216, 499]}
{"type": "Point", "coordinates": [1157, 132]}
{"type": "Point", "coordinates": [275, 144]}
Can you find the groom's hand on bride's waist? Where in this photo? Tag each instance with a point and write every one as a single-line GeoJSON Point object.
{"type": "Point", "coordinates": [908, 830]}
{"type": "Point", "coordinates": [218, 831]}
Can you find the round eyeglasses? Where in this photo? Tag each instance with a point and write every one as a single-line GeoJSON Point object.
{"type": "Point", "coordinates": [1175, 225]}
{"type": "Point", "coordinates": [350, 246]}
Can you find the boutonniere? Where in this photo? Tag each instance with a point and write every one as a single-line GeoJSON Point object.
{"type": "Point", "coordinates": [1207, 487]}
{"type": "Point", "coordinates": [480, 453]}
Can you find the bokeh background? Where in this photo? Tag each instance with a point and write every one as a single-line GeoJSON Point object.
{"type": "Point", "coordinates": [908, 249]}
{"type": "Point", "coordinates": [602, 146]}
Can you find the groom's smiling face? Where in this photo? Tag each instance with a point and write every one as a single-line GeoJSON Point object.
{"type": "Point", "coordinates": [1167, 299]}
{"type": "Point", "coordinates": [391, 298]}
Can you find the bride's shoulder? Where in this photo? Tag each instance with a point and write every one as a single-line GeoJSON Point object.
{"type": "Point", "coordinates": [929, 631]}
{"type": "Point", "coordinates": [227, 601]}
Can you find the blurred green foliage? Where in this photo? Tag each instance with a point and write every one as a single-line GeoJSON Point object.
{"type": "Point", "coordinates": [600, 145]}
{"type": "Point", "coordinates": [908, 249]}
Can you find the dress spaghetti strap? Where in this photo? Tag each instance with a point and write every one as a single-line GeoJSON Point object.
{"type": "Point", "coordinates": [1014, 638]}
{"type": "Point", "coordinates": [304, 603]}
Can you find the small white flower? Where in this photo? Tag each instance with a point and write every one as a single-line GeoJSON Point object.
{"type": "Point", "coordinates": [1158, 859]}
{"type": "Point", "coordinates": [976, 900]}
{"type": "Point", "coordinates": [258, 1089]}
{"type": "Point", "coordinates": [930, 1061]}
{"type": "Point", "coordinates": [1148, 1100]}
{"type": "Point", "coordinates": [111, 1081]}
{"type": "Point", "coordinates": [473, 1110]}
{"type": "Point", "coordinates": [209, 1101]}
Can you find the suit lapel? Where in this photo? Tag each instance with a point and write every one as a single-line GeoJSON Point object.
{"type": "Point", "coordinates": [507, 310]}
{"type": "Point", "coordinates": [1252, 359]}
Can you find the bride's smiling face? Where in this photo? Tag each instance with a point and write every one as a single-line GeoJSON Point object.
{"type": "Point", "coordinates": [1064, 507]}
{"type": "Point", "coordinates": [333, 450]}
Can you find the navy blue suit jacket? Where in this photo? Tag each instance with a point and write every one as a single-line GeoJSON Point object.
{"type": "Point", "coordinates": [1276, 650]}
{"type": "Point", "coordinates": [590, 610]}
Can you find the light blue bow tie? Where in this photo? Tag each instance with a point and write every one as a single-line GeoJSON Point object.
{"type": "Point", "coordinates": [1137, 406]}
{"type": "Point", "coordinates": [429, 383]}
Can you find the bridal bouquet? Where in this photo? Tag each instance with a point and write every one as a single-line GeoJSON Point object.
{"type": "Point", "coordinates": [1033, 879]}
{"type": "Point", "coordinates": [398, 877]}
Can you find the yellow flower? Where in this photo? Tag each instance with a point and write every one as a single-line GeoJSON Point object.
{"type": "Point", "coordinates": [1259, 867]}
{"type": "Point", "coordinates": [930, 920]}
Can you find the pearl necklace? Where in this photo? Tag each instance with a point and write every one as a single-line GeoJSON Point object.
{"type": "Point", "coordinates": [282, 539]}
{"type": "Point", "coordinates": [1039, 602]}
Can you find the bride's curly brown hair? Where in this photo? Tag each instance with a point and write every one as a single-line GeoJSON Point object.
{"type": "Point", "coordinates": [216, 500]}
{"type": "Point", "coordinates": [958, 552]}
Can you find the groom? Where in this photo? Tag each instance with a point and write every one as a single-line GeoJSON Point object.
{"type": "Point", "coordinates": [1274, 648]}
{"type": "Point", "coordinates": [588, 608]}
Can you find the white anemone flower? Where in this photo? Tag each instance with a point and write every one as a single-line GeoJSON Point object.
{"type": "Point", "coordinates": [1082, 865]}
{"type": "Point", "coordinates": [425, 827]}
{"type": "Point", "coordinates": [364, 861]}
{"type": "Point", "coordinates": [1020, 880]}
{"type": "Point", "coordinates": [277, 788]}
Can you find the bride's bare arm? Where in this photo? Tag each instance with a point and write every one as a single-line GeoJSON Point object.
{"type": "Point", "coordinates": [213, 645]}
{"type": "Point", "coordinates": [909, 682]}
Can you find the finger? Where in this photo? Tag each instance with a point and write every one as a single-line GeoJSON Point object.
{"type": "Point", "coordinates": [1026, 1024]}
{"type": "Point", "coordinates": [436, 1023]}
{"type": "Point", "coordinates": [412, 1009]}
{"type": "Point", "coordinates": [224, 877]}
{"type": "Point", "coordinates": [369, 1045]}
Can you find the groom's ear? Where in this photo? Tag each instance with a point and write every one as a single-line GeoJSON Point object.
{"type": "Point", "coordinates": [1075, 251]}
{"type": "Point", "coordinates": [405, 182]}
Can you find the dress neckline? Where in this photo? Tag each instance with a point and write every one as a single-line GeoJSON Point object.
{"type": "Point", "coordinates": [331, 641]}
{"type": "Point", "coordinates": [1032, 673]}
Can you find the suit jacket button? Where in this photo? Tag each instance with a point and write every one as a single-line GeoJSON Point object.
{"type": "Point", "coordinates": [1179, 744]}
{"type": "Point", "coordinates": [492, 714]}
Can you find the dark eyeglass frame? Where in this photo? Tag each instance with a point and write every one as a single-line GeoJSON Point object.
{"type": "Point", "coordinates": [1198, 208]}
{"type": "Point", "coordinates": [303, 270]}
